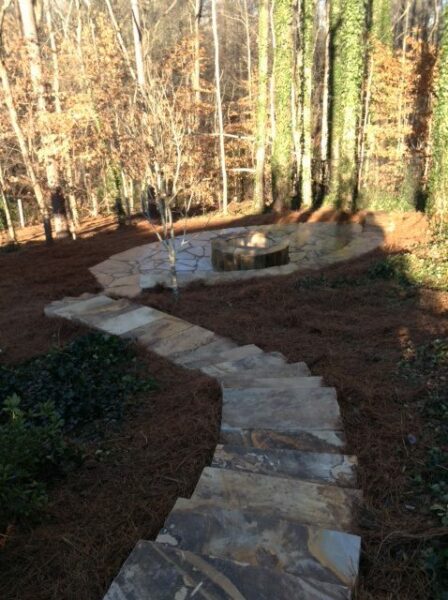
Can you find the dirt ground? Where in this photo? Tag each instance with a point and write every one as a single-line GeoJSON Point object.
{"type": "Point", "coordinates": [353, 336]}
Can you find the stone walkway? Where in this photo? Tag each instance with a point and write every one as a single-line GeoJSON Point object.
{"type": "Point", "coordinates": [272, 516]}
{"type": "Point", "coordinates": [311, 246]}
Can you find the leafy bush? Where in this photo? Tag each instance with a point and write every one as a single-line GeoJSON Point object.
{"type": "Point", "coordinates": [91, 378]}
{"type": "Point", "coordinates": [67, 391]}
{"type": "Point", "coordinates": [427, 365]}
{"type": "Point", "coordinates": [32, 451]}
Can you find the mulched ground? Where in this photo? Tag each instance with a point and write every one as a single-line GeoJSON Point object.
{"type": "Point", "coordinates": [353, 336]}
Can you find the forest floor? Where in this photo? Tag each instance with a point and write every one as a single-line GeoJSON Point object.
{"type": "Point", "coordinates": [352, 331]}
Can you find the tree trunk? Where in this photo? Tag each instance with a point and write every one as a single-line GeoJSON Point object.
{"type": "Point", "coordinates": [9, 222]}
{"type": "Point", "coordinates": [222, 150]}
{"type": "Point", "coordinates": [262, 103]}
{"type": "Point", "coordinates": [282, 162]}
{"type": "Point", "coordinates": [248, 49]}
{"type": "Point", "coordinates": [15, 124]}
{"type": "Point", "coordinates": [308, 8]}
{"type": "Point", "coordinates": [197, 52]}
{"type": "Point", "coordinates": [137, 33]}
{"type": "Point", "coordinates": [438, 178]}
{"type": "Point", "coordinates": [347, 25]}
{"type": "Point", "coordinates": [57, 199]}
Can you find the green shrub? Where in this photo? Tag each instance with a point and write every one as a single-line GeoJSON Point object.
{"type": "Point", "coordinates": [32, 452]}
{"type": "Point", "coordinates": [91, 378]}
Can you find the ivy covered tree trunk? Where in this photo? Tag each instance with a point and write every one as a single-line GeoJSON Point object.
{"type": "Point", "coordinates": [347, 29]}
{"type": "Point", "coordinates": [262, 103]}
{"type": "Point", "coordinates": [438, 181]}
{"type": "Point", "coordinates": [381, 22]}
{"type": "Point", "coordinates": [282, 161]}
{"type": "Point", "coordinates": [308, 7]}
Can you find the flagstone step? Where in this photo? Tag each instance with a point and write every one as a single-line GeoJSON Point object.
{"type": "Point", "coordinates": [265, 541]}
{"type": "Point", "coordinates": [281, 410]}
{"type": "Point", "coordinates": [325, 506]}
{"type": "Point", "coordinates": [217, 345]}
{"type": "Point", "coordinates": [232, 354]}
{"type": "Point", "coordinates": [265, 361]}
{"type": "Point", "coordinates": [336, 469]}
{"type": "Point", "coordinates": [155, 571]}
{"type": "Point", "coordinates": [240, 380]}
{"type": "Point", "coordinates": [298, 369]}
{"type": "Point", "coordinates": [307, 440]}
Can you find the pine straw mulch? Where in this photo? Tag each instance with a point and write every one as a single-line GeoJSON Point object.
{"type": "Point", "coordinates": [355, 336]}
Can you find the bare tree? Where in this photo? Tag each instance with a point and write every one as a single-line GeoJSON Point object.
{"type": "Point", "coordinates": [222, 150]}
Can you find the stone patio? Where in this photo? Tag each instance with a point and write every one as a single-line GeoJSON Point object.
{"type": "Point", "coordinates": [273, 516]}
{"type": "Point", "coordinates": [311, 246]}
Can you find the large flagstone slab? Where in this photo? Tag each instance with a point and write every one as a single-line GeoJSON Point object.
{"type": "Point", "coordinates": [217, 345]}
{"type": "Point", "coordinates": [307, 440]}
{"type": "Point", "coordinates": [328, 468]}
{"type": "Point", "coordinates": [124, 323]}
{"type": "Point", "coordinates": [70, 308]}
{"type": "Point", "coordinates": [265, 541]}
{"type": "Point", "coordinates": [283, 411]}
{"type": "Point", "coordinates": [232, 354]}
{"type": "Point", "coordinates": [160, 572]}
{"type": "Point", "coordinates": [304, 502]}
{"type": "Point", "coordinates": [265, 361]}
{"type": "Point", "coordinates": [279, 383]}
{"type": "Point", "coordinates": [190, 339]}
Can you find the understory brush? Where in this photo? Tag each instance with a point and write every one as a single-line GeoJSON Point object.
{"type": "Point", "coordinates": [51, 405]}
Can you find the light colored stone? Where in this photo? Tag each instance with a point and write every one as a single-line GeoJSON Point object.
{"type": "Point", "coordinates": [308, 440]}
{"type": "Point", "coordinates": [320, 467]}
{"type": "Point", "coordinates": [223, 356]}
{"type": "Point", "coordinates": [264, 361]}
{"type": "Point", "coordinates": [189, 339]}
{"type": "Point", "coordinates": [282, 411]}
{"type": "Point", "coordinates": [277, 383]}
{"type": "Point", "coordinates": [128, 321]}
{"type": "Point", "coordinates": [303, 502]}
{"type": "Point", "coordinates": [265, 541]}
{"type": "Point", "coordinates": [74, 308]}
{"type": "Point", "coordinates": [160, 572]}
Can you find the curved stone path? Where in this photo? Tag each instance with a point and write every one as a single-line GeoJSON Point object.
{"type": "Point", "coordinates": [311, 246]}
{"type": "Point", "coordinates": [272, 516]}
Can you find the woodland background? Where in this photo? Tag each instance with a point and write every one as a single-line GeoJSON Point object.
{"type": "Point", "coordinates": [204, 103]}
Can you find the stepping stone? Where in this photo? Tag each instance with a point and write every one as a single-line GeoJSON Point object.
{"type": "Point", "coordinates": [337, 469]}
{"type": "Point", "coordinates": [156, 571]}
{"type": "Point", "coordinates": [265, 541]}
{"type": "Point", "coordinates": [126, 322]}
{"type": "Point", "coordinates": [218, 345]}
{"type": "Point", "coordinates": [233, 354]}
{"type": "Point", "coordinates": [189, 339]}
{"type": "Point", "coordinates": [160, 330]}
{"type": "Point", "coordinates": [266, 361]}
{"type": "Point", "coordinates": [70, 308]}
{"type": "Point", "coordinates": [299, 369]}
{"type": "Point", "coordinates": [326, 506]}
{"type": "Point", "coordinates": [240, 380]}
{"type": "Point", "coordinates": [282, 411]}
{"type": "Point", "coordinates": [312, 440]}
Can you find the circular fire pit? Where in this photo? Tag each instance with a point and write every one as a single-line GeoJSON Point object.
{"type": "Point", "coordinates": [253, 250]}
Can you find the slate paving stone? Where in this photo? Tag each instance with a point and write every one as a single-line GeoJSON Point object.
{"type": "Point", "coordinates": [265, 541]}
{"type": "Point", "coordinates": [337, 469]}
{"type": "Point", "coordinates": [279, 383]}
{"type": "Point", "coordinates": [311, 440]}
{"type": "Point", "coordinates": [282, 411]}
{"type": "Point", "coordinates": [160, 572]}
{"type": "Point", "coordinates": [304, 502]}
{"type": "Point", "coordinates": [189, 339]}
{"type": "Point", "coordinates": [217, 345]}
{"type": "Point", "coordinates": [232, 354]}
{"type": "Point", "coordinates": [265, 361]}
{"type": "Point", "coordinates": [120, 324]}
{"type": "Point", "coordinates": [72, 308]}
